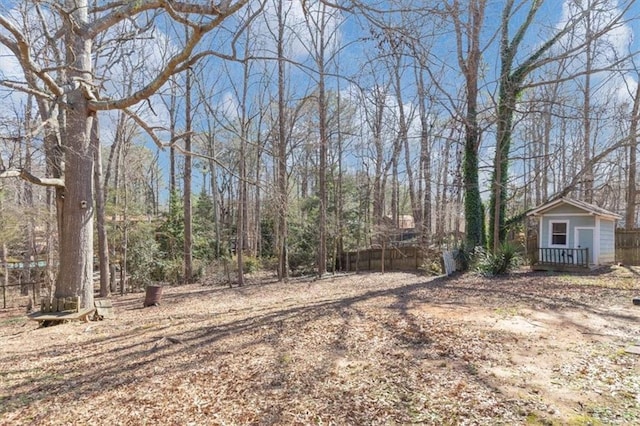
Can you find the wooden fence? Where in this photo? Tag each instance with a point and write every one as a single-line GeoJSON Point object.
{"type": "Point", "coordinates": [403, 258]}
{"type": "Point", "coordinates": [14, 295]}
{"type": "Point", "coordinates": [411, 258]}
{"type": "Point", "coordinates": [628, 246]}
{"type": "Point", "coordinates": [394, 258]}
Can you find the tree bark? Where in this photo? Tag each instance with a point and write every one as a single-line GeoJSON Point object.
{"type": "Point", "coordinates": [469, 34]}
{"type": "Point", "coordinates": [29, 241]}
{"type": "Point", "coordinates": [103, 244]}
{"type": "Point", "coordinates": [632, 192]}
{"type": "Point", "coordinates": [75, 277]}
{"type": "Point", "coordinates": [424, 193]}
{"type": "Point", "coordinates": [324, 143]}
{"type": "Point", "coordinates": [587, 185]}
{"type": "Point", "coordinates": [282, 197]}
{"type": "Point", "coordinates": [241, 225]}
{"type": "Point", "coordinates": [188, 222]}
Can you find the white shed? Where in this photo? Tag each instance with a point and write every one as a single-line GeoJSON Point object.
{"type": "Point", "coordinates": [574, 233]}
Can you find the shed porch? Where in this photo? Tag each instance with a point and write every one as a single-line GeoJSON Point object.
{"type": "Point", "coordinates": [560, 259]}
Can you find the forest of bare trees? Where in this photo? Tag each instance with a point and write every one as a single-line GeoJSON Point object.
{"type": "Point", "coordinates": [151, 139]}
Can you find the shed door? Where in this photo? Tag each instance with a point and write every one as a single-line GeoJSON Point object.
{"type": "Point", "coordinates": [584, 239]}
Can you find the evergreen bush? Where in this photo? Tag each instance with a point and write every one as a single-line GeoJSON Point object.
{"type": "Point", "coordinates": [505, 260]}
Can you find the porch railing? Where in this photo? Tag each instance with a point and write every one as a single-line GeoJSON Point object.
{"type": "Point", "coordinates": [563, 256]}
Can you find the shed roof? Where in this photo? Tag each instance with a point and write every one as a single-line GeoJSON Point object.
{"type": "Point", "coordinates": [589, 208]}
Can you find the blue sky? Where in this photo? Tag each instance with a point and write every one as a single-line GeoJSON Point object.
{"type": "Point", "coordinates": [352, 60]}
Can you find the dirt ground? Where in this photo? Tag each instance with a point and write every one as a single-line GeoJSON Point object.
{"type": "Point", "coordinates": [368, 349]}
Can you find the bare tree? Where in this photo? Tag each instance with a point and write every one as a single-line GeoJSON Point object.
{"type": "Point", "coordinates": [318, 22]}
{"type": "Point", "coordinates": [188, 221]}
{"type": "Point", "coordinates": [75, 88]}
{"type": "Point", "coordinates": [469, 54]}
{"type": "Point", "coordinates": [513, 73]}
{"type": "Point", "coordinates": [103, 243]}
{"type": "Point", "coordinates": [282, 196]}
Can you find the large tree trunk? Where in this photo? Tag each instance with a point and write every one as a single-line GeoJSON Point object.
{"type": "Point", "coordinates": [468, 33]}
{"type": "Point", "coordinates": [424, 192]}
{"type": "Point", "coordinates": [75, 276]}
{"type": "Point", "coordinates": [498, 201]}
{"type": "Point", "coordinates": [630, 212]}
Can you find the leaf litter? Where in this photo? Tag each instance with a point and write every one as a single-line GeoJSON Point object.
{"type": "Point", "coordinates": [394, 348]}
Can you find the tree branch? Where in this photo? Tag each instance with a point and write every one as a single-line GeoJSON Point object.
{"type": "Point", "coordinates": [148, 129]}
{"type": "Point", "coordinates": [20, 48]}
{"type": "Point", "coordinates": [25, 175]}
{"type": "Point", "coordinates": [21, 87]}
{"type": "Point", "coordinates": [174, 64]}
{"type": "Point", "coordinates": [128, 9]}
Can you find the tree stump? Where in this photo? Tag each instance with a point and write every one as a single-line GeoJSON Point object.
{"type": "Point", "coordinates": [153, 295]}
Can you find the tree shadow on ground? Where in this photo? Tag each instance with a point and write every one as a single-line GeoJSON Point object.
{"type": "Point", "coordinates": [197, 338]}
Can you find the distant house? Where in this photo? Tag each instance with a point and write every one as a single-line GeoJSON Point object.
{"type": "Point", "coordinates": [405, 221]}
{"type": "Point", "coordinates": [573, 234]}
{"type": "Point", "coordinates": [402, 232]}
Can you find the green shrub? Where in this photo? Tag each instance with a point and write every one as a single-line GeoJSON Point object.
{"type": "Point", "coordinates": [171, 270]}
{"type": "Point", "coordinates": [142, 254]}
{"type": "Point", "coordinates": [302, 262]}
{"type": "Point", "coordinates": [251, 264]}
{"type": "Point", "coordinates": [502, 262]}
{"type": "Point", "coordinates": [269, 263]}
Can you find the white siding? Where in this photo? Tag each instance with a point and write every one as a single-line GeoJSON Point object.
{"type": "Point", "coordinates": [607, 241]}
{"type": "Point", "coordinates": [604, 234]}
{"type": "Point", "coordinates": [565, 209]}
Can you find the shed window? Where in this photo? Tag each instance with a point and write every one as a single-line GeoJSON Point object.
{"type": "Point", "coordinates": [559, 233]}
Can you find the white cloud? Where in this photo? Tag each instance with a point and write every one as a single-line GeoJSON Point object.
{"type": "Point", "coordinates": [229, 106]}
{"type": "Point", "coordinates": [607, 50]}
{"type": "Point", "coordinates": [616, 37]}
{"type": "Point", "coordinates": [298, 38]}
{"type": "Point", "coordinates": [626, 87]}
{"type": "Point", "coordinates": [130, 65]}
{"type": "Point", "coordinates": [9, 66]}
{"type": "Point", "coordinates": [10, 70]}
